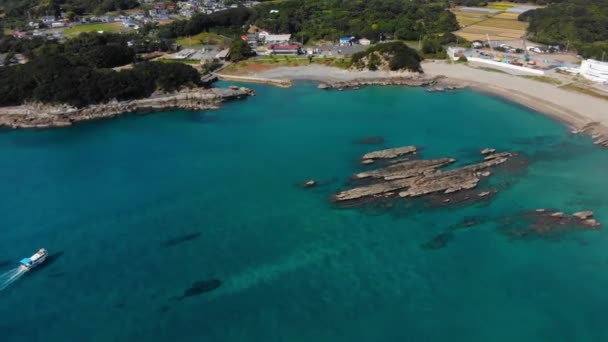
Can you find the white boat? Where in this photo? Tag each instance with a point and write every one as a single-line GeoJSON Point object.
{"type": "Point", "coordinates": [35, 260]}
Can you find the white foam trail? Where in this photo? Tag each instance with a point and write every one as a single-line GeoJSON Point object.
{"type": "Point", "coordinates": [11, 276]}
{"type": "Point", "coordinates": [268, 272]}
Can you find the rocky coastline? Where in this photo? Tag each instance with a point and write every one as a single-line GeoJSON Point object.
{"type": "Point", "coordinates": [410, 81]}
{"type": "Point", "coordinates": [36, 115]}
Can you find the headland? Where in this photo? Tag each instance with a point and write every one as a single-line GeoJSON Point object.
{"type": "Point", "coordinates": [37, 115]}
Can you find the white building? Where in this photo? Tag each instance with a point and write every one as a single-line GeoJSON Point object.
{"type": "Point", "coordinates": [595, 70]}
{"type": "Point", "coordinates": [275, 39]}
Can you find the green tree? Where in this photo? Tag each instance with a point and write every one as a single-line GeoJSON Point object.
{"type": "Point", "coordinates": [239, 50]}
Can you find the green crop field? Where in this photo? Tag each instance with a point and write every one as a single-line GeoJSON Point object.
{"type": "Point", "coordinates": [205, 38]}
{"type": "Point", "coordinates": [500, 6]}
{"type": "Point", "coordinates": [105, 27]}
{"type": "Point", "coordinates": [500, 26]}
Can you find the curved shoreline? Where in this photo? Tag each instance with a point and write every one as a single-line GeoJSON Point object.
{"type": "Point", "coordinates": [47, 116]}
{"type": "Point", "coordinates": [581, 113]}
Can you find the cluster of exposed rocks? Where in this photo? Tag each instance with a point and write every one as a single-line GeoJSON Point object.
{"type": "Point", "coordinates": [441, 87]}
{"type": "Point", "coordinates": [40, 115]}
{"type": "Point", "coordinates": [405, 177]}
{"type": "Point", "coordinates": [409, 81]}
{"type": "Point", "coordinates": [597, 131]}
{"type": "Point", "coordinates": [551, 223]}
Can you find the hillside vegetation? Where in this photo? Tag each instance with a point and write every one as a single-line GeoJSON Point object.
{"type": "Point", "coordinates": [20, 8]}
{"type": "Point", "coordinates": [392, 56]}
{"type": "Point", "coordinates": [78, 72]}
{"type": "Point", "coordinates": [327, 19]}
{"type": "Point", "coordinates": [582, 24]}
{"type": "Point", "coordinates": [330, 19]}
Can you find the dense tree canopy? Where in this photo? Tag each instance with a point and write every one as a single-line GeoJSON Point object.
{"type": "Point", "coordinates": [77, 72]}
{"type": "Point", "coordinates": [54, 79]}
{"type": "Point", "coordinates": [231, 20]}
{"type": "Point", "coordinates": [398, 55]}
{"type": "Point", "coordinates": [330, 19]}
{"type": "Point", "coordinates": [239, 50]}
{"type": "Point", "coordinates": [582, 24]}
{"type": "Point", "coordinates": [327, 19]}
{"type": "Point", "coordinates": [22, 9]}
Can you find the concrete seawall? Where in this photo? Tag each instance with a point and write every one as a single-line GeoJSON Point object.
{"type": "Point", "coordinates": [283, 83]}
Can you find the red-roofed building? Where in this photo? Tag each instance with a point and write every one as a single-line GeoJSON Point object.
{"type": "Point", "coordinates": [284, 49]}
{"type": "Point", "coordinates": [20, 34]}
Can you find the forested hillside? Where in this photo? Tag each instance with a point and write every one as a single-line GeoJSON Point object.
{"type": "Point", "coordinates": [327, 19]}
{"type": "Point", "coordinates": [581, 24]}
{"type": "Point", "coordinates": [77, 72]}
{"type": "Point", "coordinates": [23, 9]}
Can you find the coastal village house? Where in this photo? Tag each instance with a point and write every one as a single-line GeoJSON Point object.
{"type": "Point", "coordinates": [347, 41]}
{"type": "Point", "coordinates": [275, 39]}
{"type": "Point", "coordinates": [595, 70]}
{"type": "Point", "coordinates": [284, 49]}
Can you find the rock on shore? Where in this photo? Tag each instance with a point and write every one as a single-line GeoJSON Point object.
{"type": "Point", "coordinates": [597, 131]}
{"type": "Point", "coordinates": [42, 116]}
{"type": "Point", "coordinates": [412, 81]}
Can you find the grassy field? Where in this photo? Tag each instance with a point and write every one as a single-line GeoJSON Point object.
{"type": "Point", "coordinates": [469, 18]}
{"type": "Point", "coordinates": [205, 38]}
{"type": "Point", "coordinates": [185, 61]}
{"type": "Point", "coordinates": [501, 26]}
{"type": "Point", "coordinates": [492, 70]}
{"type": "Point", "coordinates": [583, 90]}
{"type": "Point", "coordinates": [105, 27]}
{"type": "Point", "coordinates": [266, 63]}
{"type": "Point", "coordinates": [297, 61]}
{"type": "Point", "coordinates": [545, 79]}
{"type": "Point", "coordinates": [500, 6]}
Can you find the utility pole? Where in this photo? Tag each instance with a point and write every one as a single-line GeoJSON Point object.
{"type": "Point", "coordinates": [490, 43]}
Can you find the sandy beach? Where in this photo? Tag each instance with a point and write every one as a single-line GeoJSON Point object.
{"type": "Point", "coordinates": [577, 110]}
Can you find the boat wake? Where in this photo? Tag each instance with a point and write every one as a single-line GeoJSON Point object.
{"type": "Point", "coordinates": [11, 276]}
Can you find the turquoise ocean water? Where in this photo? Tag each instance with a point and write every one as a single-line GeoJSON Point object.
{"type": "Point", "coordinates": [137, 209]}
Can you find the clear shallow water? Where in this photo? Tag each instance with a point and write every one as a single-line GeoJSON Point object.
{"type": "Point", "coordinates": [108, 195]}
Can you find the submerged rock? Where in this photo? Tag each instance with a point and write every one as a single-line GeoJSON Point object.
{"type": "Point", "coordinates": [437, 242]}
{"type": "Point", "coordinates": [549, 224]}
{"type": "Point", "coordinates": [180, 239]}
{"type": "Point", "coordinates": [371, 141]}
{"type": "Point", "coordinates": [200, 287]}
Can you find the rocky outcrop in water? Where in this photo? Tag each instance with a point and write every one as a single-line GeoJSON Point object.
{"type": "Point", "coordinates": [412, 81]}
{"type": "Point", "coordinates": [416, 178]}
{"type": "Point", "coordinates": [389, 153]}
{"type": "Point", "coordinates": [597, 131]}
{"type": "Point", "coordinates": [545, 223]}
{"type": "Point", "coordinates": [41, 116]}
